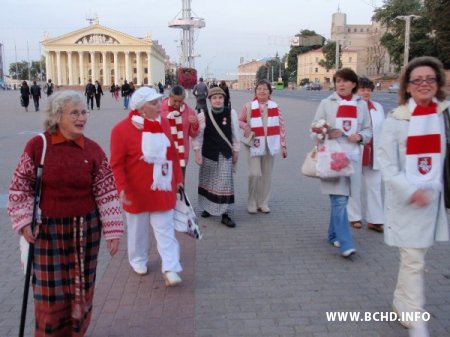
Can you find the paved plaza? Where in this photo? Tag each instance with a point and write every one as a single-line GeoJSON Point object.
{"type": "Point", "coordinates": [274, 275]}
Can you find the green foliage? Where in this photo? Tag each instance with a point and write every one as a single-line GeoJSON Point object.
{"type": "Point", "coordinates": [19, 70]}
{"type": "Point", "coordinates": [265, 72]}
{"type": "Point", "coordinates": [329, 51]}
{"type": "Point", "coordinates": [421, 41]}
{"type": "Point", "coordinates": [292, 56]}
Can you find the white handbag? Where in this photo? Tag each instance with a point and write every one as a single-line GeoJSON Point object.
{"type": "Point", "coordinates": [184, 216]}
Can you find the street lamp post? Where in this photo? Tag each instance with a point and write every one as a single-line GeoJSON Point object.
{"type": "Point", "coordinates": [407, 19]}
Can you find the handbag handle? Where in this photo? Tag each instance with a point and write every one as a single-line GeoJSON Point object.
{"type": "Point", "coordinates": [183, 196]}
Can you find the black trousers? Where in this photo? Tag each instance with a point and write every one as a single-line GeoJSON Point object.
{"type": "Point", "coordinates": [36, 102]}
{"type": "Point", "coordinates": [97, 100]}
{"type": "Point", "coordinates": [90, 99]}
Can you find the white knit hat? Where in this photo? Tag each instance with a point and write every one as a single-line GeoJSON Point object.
{"type": "Point", "coordinates": [143, 95]}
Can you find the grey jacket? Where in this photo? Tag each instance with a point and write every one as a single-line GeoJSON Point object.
{"type": "Point", "coordinates": [327, 110]}
{"type": "Point", "coordinates": [408, 226]}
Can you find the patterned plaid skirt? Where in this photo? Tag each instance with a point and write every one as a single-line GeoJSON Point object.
{"type": "Point", "coordinates": [64, 267]}
{"type": "Point", "coordinates": [216, 186]}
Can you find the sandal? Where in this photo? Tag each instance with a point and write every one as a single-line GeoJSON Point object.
{"type": "Point", "coordinates": [376, 227]}
{"type": "Point", "coordinates": [356, 224]}
{"type": "Point", "coordinates": [226, 220]}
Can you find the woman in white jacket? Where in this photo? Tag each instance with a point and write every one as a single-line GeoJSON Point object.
{"type": "Point", "coordinates": [370, 166]}
{"type": "Point", "coordinates": [411, 156]}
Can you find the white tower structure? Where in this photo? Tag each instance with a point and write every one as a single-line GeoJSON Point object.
{"type": "Point", "coordinates": [188, 24]}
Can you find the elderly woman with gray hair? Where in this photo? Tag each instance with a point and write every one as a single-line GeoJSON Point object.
{"type": "Point", "coordinates": [78, 200]}
{"type": "Point", "coordinates": [147, 170]}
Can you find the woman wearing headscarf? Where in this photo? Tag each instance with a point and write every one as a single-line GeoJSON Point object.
{"type": "Point", "coordinates": [147, 171]}
{"type": "Point", "coordinates": [411, 156]}
{"type": "Point", "coordinates": [263, 118]}
{"type": "Point", "coordinates": [78, 201]}
{"type": "Point", "coordinates": [347, 116]}
{"type": "Point", "coordinates": [216, 151]}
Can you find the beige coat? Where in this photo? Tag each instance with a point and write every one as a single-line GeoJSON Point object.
{"type": "Point", "coordinates": [406, 225]}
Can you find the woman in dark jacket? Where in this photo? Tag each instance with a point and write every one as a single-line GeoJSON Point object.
{"type": "Point", "coordinates": [98, 94]}
{"type": "Point", "coordinates": [25, 95]}
{"type": "Point", "coordinates": [224, 87]}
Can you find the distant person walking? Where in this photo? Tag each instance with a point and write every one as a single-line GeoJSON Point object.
{"type": "Point", "coordinates": [112, 88]}
{"type": "Point", "coordinates": [224, 87]}
{"type": "Point", "coordinates": [36, 94]}
{"type": "Point", "coordinates": [98, 94]}
{"type": "Point", "coordinates": [89, 92]}
{"type": "Point", "coordinates": [49, 88]}
{"type": "Point", "coordinates": [161, 88]}
{"type": "Point", "coordinates": [126, 93]}
{"type": "Point", "coordinates": [25, 95]}
{"type": "Point", "coordinates": [200, 92]}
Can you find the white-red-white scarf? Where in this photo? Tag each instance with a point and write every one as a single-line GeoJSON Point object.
{"type": "Point", "coordinates": [423, 147]}
{"type": "Point", "coordinates": [154, 146]}
{"type": "Point", "coordinates": [347, 122]}
{"type": "Point", "coordinates": [347, 117]}
{"type": "Point", "coordinates": [273, 129]}
{"type": "Point", "coordinates": [176, 130]}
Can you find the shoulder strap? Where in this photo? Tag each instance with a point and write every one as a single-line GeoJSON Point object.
{"type": "Point", "coordinates": [447, 124]}
{"type": "Point", "coordinates": [219, 131]}
{"type": "Point", "coordinates": [44, 149]}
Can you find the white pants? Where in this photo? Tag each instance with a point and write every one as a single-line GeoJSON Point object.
{"type": "Point", "coordinates": [139, 239]}
{"type": "Point", "coordinates": [259, 179]}
{"type": "Point", "coordinates": [354, 201]}
{"type": "Point", "coordinates": [374, 207]}
{"type": "Point", "coordinates": [409, 294]}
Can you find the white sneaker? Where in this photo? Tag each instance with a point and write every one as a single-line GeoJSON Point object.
{"type": "Point", "coordinates": [171, 279]}
{"type": "Point", "coordinates": [349, 252]}
{"type": "Point", "coordinates": [336, 243]}
{"type": "Point", "coordinates": [141, 270]}
{"type": "Point", "coordinates": [399, 308]}
{"type": "Point", "coordinates": [264, 209]}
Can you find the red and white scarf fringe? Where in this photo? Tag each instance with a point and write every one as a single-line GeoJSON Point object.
{"type": "Point", "coordinates": [273, 129]}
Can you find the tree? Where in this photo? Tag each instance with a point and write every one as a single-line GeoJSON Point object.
{"type": "Point", "coordinates": [19, 70]}
{"type": "Point", "coordinates": [376, 55]}
{"type": "Point", "coordinates": [271, 71]}
{"type": "Point", "coordinates": [421, 42]}
{"type": "Point", "coordinates": [292, 56]}
{"type": "Point", "coordinates": [438, 12]}
{"type": "Point", "coordinates": [329, 52]}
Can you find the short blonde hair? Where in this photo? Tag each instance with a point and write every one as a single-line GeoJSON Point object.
{"type": "Point", "coordinates": [56, 104]}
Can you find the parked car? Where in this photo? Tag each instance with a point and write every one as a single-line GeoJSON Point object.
{"type": "Point", "coordinates": [315, 86]}
{"type": "Point", "coordinates": [393, 88]}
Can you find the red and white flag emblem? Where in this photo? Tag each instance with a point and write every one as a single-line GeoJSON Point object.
{"type": "Point", "coordinates": [165, 169]}
{"type": "Point", "coordinates": [256, 143]}
{"type": "Point", "coordinates": [424, 165]}
{"type": "Point", "coordinates": [347, 125]}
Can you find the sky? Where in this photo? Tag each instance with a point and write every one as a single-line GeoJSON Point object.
{"type": "Point", "coordinates": [251, 29]}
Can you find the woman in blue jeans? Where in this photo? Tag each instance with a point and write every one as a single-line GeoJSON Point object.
{"type": "Point", "coordinates": [349, 123]}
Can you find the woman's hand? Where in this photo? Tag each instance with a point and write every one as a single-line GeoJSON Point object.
{"type": "Point", "coordinates": [193, 120]}
{"type": "Point", "coordinates": [198, 157]}
{"type": "Point", "coordinates": [235, 157]}
{"type": "Point", "coordinates": [113, 246]}
{"type": "Point", "coordinates": [247, 130]}
{"type": "Point", "coordinates": [334, 133]}
{"type": "Point", "coordinates": [28, 235]}
{"type": "Point", "coordinates": [123, 198]}
{"type": "Point", "coordinates": [355, 138]}
{"type": "Point", "coordinates": [420, 198]}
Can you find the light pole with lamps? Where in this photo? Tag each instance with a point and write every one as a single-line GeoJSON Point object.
{"type": "Point", "coordinates": [407, 19]}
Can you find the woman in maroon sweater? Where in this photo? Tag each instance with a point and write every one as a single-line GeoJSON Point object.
{"type": "Point", "coordinates": [146, 167]}
{"type": "Point", "coordinates": [78, 200]}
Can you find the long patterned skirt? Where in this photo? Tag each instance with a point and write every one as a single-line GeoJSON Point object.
{"type": "Point", "coordinates": [64, 267]}
{"type": "Point", "coordinates": [216, 186]}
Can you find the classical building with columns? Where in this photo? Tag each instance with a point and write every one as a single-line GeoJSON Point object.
{"type": "Point", "coordinates": [105, 55]}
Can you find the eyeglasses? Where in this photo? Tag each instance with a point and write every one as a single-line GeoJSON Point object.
{"type": "Point", "coordinates": [428, 80]}
{"type": "Point", "coordinates": [75, 114]}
